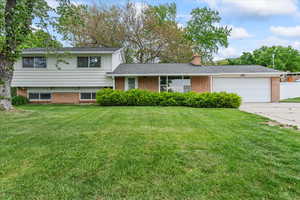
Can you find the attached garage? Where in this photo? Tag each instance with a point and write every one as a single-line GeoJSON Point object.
{"type": "Point", "coordinates": [250, 89]}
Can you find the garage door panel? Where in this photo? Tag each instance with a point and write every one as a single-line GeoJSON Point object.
{"type": "Point", "coordinates": [250, 89]}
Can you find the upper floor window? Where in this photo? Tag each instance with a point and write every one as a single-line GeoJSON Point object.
{"type": "Point", "coordinates": [89, 61]}
{"type": "Point", "coordinates": [35, 62]}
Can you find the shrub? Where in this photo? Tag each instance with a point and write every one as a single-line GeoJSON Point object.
{"type": "Point", "coordinates": [110, 97]}
{"type": "Point", "coordinates": [19, 100]}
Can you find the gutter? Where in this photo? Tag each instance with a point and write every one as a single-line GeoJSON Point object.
{"type": "Point", "coordinates": [195, 74]}
{"type": "Point", "coordinates": [67, 52]}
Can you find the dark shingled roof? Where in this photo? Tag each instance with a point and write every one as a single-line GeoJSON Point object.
{"type": "Point", "coordinates": [71, 49]}
{"type": "Point", "coordinates": [164, 69]}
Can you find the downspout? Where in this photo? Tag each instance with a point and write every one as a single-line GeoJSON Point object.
{"type": "Point", "coordinates": [211, 84]}
{"type": "Point", "coordinates": [114, 83]}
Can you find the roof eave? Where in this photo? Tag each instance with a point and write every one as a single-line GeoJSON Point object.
{"type": "Point", "coordinates": [66, 52]}
{"type": "Point", "coordinates": [196, 74]}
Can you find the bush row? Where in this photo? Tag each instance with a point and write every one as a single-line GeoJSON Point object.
{"type": "Point", "coordinates": [109, 97]}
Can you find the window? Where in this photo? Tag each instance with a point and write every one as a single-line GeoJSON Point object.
{"type": "Point", "coordinates": [175, 84]}
{"type": "Point", "coordinates": [28, 62]}
{"type": "Point", "coordinates": [40, 62]}
{"type": "Point", "coordinates": [82, 61]}
{"type": "Point", "coordinates": [39, 96]}
{"type": "Point", "coordinates": [130, 83]}
{"type": "Point", "coordinates": [88, 96]}
{"type": "Point", "coordinates": [34, 62]}
{"type": "Point", "coordinates": [95, 61]}
{"type": "Point", "coordinates": [89, 61]}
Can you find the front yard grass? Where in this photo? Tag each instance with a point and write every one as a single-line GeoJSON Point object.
{"type": "Point", "coordinates": [291, 100]}
{"type": "Point", "coordinates": [89, 152]}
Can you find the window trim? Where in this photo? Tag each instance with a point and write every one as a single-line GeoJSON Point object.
{"type": "Point", "coordinates": [89, 60]}
{"type": "Point", "coordinates": [34, 62]}
{"type": "Point", "coordinates": [126, 83]}
{"type": "Point", "coordinates": [39, 99]}
{"type": "Point", "coordinates": [88, 99]}
{"type": "Point", "coordinates": [167, 80]}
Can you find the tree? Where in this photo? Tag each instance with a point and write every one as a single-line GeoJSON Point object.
{"type": "Point", "coordinates": [285, 58]}
{"type": "Point", "coordinates": [205, 33]}
{"type": "Point", "coordinates": [40, 39]}
{"type": "Point", "coordinates": [154, 35]}
{"type": "Point", "coordinates": [15, 26]}
{"type": "Point", "coordinates": [148, 35]}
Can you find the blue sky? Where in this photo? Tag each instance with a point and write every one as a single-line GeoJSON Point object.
{"type": "Point", "coordinates": [254, 22]}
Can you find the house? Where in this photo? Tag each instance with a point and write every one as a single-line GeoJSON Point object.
{"type": "Point", "coordinates": [73, 75]}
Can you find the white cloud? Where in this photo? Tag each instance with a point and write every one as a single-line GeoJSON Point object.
{"type": "Point", "coordinates": [276, 41]}
{"type": "Point", "coordinates": [180, 25]}
{"type": "Point", "coordinates": [286, 31]}
{"type": "Point", "coordinates": [229, 52]}
{"type": "Point", "coordinates": [55, 3]}
{"type": "Point", "coordinates": [261, 8]}
{"type": "Point", "coordinates": [140, 6]}
{"type": "Point", "coordinates": [239, 33]}
{"type": "Point", "coordinates": [52, 3]}
{"type": "Point", "coordinates": [184, 17]}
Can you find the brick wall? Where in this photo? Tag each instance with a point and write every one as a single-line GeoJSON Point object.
{"type": "Point", "coordinates": [275, 89]}
{"type": "Point", "coordinates": [22, 92]}
{"type": "Point", "coordinates": [72, 98]}
{"type": "Point", "coordinates": [201, 84]}
{"type": "Point", "coordinates": [120, 83]}
{"type": "Point", "coordinates": [148, 83]}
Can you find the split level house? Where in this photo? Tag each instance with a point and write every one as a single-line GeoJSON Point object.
{"type": "Point", "coordinates": [74, 75]}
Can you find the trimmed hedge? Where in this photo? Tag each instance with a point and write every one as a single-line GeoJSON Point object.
{"type": "Point", "coordinates": [19, 100]}
{"type": "Point", "coordinates": [110, 97]}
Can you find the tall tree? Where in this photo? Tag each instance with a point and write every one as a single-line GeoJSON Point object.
{"type": "Point", "coordinates": [40, 39]}
{"type": "Point", "coordinates": [278, 57]}
{"type": "Point", "coordinates": [15, 25]}
{"type": "Point", "coordinates": [147, 35]}
{"type": "Point", "coordinates": [205, 32]}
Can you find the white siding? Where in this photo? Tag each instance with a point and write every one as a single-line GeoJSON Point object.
{"type": "Point", "coordinates": [64, 74]}
{"type": "Point", "coordinates": [117, 59]}
{"type": "Point", "coordinates": [289, 90]}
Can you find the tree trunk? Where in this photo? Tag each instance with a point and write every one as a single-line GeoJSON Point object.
{"type": "Point", "coordinates": [5, 93]}
{"type": "Point", "coordinates": [6, 75]}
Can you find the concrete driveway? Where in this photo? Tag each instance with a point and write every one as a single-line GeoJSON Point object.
{"type": "Point", "coordinates": [284, 113]}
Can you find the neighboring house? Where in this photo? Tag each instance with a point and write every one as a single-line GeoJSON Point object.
{"type": "Point", "coordinates": [86, 70]}
{"type": "Point", "coordinates": [291, 77]}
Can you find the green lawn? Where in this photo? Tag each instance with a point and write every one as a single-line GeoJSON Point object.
{"type": "Point", "coordinates": [88, 152]}
{"type": "Point", "coordinates": [292, 100]}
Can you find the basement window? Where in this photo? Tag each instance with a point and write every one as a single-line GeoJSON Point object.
{"type": "Point", "coordinates": [88, 96]}
{"type": "Point", "coordinates": [39, 96]}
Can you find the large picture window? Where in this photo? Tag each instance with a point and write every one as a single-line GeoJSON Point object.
{"type": "Point", "coordinates": [175, 84]}
{"type": "Point", "coordinates": [88, 61]}
{"type": "Point", "coordinates": [37, 96]}
{"type": "Point", "coordinates": [34, 62]}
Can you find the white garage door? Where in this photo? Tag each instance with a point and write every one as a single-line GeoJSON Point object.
{"type": "Point", "coordinates": [250, 89]}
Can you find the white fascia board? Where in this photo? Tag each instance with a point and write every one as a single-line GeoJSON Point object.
{"type": "Point", "coordinates": [202, 74]}
{"type": "Point", "coordinates": [60, 86]}
{"type": "Point", "coordinates": [67, 52]}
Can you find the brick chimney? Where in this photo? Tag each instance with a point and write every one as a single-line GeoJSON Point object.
{"type": "Point", "coordinates": [196, 61]}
